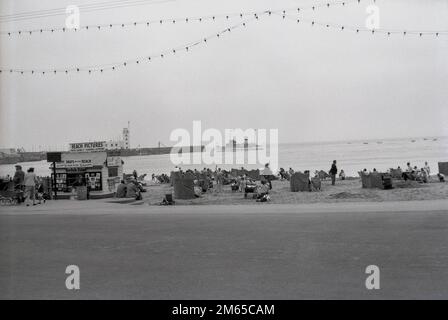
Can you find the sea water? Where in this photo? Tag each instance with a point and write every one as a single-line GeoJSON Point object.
{"type": "Point", "coordinates": [351, 156]}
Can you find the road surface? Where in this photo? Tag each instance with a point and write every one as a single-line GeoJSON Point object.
{"type": "Point", "coordinates": [258, 251]}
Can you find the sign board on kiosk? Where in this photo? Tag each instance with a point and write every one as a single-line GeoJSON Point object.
{"type": "Point", "coordinates": [54, 156]}
{"type": "Point", "coordinates": [88, 146]}
{"type": "Point", "coordinates": [82, 160]}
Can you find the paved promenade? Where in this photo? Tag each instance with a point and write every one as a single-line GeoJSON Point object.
{"type": "Point", "coordinates": [225, 252]}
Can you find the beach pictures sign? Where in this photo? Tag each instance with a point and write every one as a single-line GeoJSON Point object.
{"type": "Point", "coordinates": [260, 146]}
{"type": "Point", "coordinates": [88, 146]}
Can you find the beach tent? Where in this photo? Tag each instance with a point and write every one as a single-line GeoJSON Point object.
{"type": "Point", "coordinates": [323, 175]}
{"type": "Point", "coordinates": [299, 182]}
{"type": "Point", "coordinates": [253, 174]}
{"type": "Point", "coordinates": [396, 173]}
{"type": "Point", "coordinates": [183, 184]}
{"type": "Point", "coordinates": [235, 172]}
{"type": "Point", "coordinates": [443, 168]}
{"type": "Point", "coordinates": [374, 180]}
{"type": "Point", "coordinates": [365, 180]}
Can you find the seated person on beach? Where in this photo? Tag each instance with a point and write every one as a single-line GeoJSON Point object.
{"type": "Point", "coordinates": [441, 177]}
{"type": "Point", "coordinates": [283, 174]}
{"type": "Point", "coordinates": [262, 190]}
{"type": "Point", "coordinates": [396, 173]}
{"type": "Point", "coordinates": [267, 174]}
{"type": "Point", "coordinates": [316, 184]}
{"type": "Point", "coordinates": [250, 186]}
{"type": "Point", "coordinates": [121, 190]}
{"type": "Point", "coordinates": [132, 190]}
{"type": "Point", "coordinates": [409, 173]}
{"type": "Point", "coordinates": [197, 188]}
{"type": "Point", "coordinates": [40, 191]}
{"type": "Point", "coordinates": [342, 175]}
{"type": "Point", "coordinates": [235, 184]}
{"type": "Point", "coordinates": [423, 175]}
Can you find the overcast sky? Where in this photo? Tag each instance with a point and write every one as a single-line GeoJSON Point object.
{"type": "Point", "coordinates": [311, 83]}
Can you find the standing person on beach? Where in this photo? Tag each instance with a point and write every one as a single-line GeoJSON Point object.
{"type": "Point", "coordinates": [18, 180]}
{"type": "Point", "coordinates": [19, 177]}
{"type": "Point", "coordinates": [333, 172]}
{"type": "Point", "coordinates": [30, 186]}
{"type": "Point", "coordinates": [427, 169]}
{"type": "Point", "coordinates": [219, 180]}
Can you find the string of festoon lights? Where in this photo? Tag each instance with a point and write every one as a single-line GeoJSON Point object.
{"type": "Point", "coordinates": [373, 31]}
{"type": "Point", "coordinates": [171, 21]}
{"type": "Point", "coordinates": [136, 61]}
{"type": "Point", "coordinates": [188, 46]}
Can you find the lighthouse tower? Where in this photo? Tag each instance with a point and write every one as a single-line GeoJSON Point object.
{"type": "Point", "coordinates": [127, 137]}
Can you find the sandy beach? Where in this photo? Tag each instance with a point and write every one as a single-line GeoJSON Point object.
{"type": "Point", "coordinates": [344, 191]}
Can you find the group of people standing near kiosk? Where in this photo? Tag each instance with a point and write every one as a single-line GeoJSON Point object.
{"type": "Point", "coordinates": [28, 185]}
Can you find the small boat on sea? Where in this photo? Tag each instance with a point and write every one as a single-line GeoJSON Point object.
{"type": "Point", "coordinates": [412, 140]}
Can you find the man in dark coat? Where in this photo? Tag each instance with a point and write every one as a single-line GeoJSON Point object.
{"type": "Point", "coordinates": [121, 190]}
{"type": "Point", "coordinates": [333, 172]}
{"type": "Point", "coordinates": [19, 178]}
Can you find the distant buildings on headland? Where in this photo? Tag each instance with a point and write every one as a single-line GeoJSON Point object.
{"type": "Point", "coordinates": [119, 147]}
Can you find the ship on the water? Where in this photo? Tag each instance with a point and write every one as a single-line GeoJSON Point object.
{"type": "Point", "coordinates": [234, 146]}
